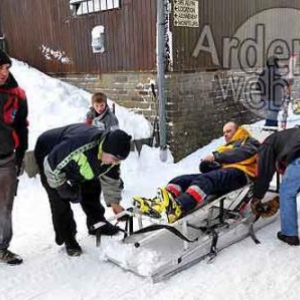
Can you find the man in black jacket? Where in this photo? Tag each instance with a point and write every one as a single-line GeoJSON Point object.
{"type": "Point", "coordinates": [75, 162]}
{"type": "Point", "coordinates": [281, 152]}
{"type": "Point", "coordinates": [13, 144]}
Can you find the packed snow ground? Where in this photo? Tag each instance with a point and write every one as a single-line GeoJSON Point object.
{"type": "Point", "coordinates": [243, 271]}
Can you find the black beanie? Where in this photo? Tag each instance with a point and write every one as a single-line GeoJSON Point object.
{"type": "Point", "coordinates": [4, 58]}
{"type": "Point", "coordinates": [117, 143]}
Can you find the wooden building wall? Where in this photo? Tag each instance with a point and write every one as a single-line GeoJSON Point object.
{"type": "Point", "coordinates": [2, 41]}
{"type": "Point", "coordinates": [224, 17]}
{"type": "Point", "coordinates": [130, 33]}
{"type": "Point", "coordinates": [130, 36]}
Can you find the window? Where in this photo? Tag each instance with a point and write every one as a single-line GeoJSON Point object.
{"type": "Point", "coordinates": [81, 7]}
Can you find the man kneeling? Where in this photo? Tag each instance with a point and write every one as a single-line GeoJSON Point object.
{"type": "Point", "coordinates": [228, 168]}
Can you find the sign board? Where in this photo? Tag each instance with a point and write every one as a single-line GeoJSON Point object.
{"type": "Point", "coordinates": [186, 13]}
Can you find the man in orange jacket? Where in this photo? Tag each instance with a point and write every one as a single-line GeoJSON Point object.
{"type": "Point", "coordinates": [228, 168]}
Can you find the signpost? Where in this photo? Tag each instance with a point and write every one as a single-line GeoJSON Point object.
{"type": "Point", "coordinates": [186, 13]}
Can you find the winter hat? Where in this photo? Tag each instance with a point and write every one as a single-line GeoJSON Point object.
{"type": "Point", "coordinates": [4, 58]}
{"type": "Point", "coordinates": [117, 143]}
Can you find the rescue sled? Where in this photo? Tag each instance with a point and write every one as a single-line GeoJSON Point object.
{"type": "Point", "coordinates": [153, 248]}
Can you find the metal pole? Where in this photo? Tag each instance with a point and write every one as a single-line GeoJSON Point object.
{"type": "Point", "coordinates": [161, 10]}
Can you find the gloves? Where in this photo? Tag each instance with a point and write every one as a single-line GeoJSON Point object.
{"type": "Point", "coordinates": [20, 168]}
{"type": "Point", "coordinates": [69, 192]}
{"type": "Point", "coordinates": [208, 166]}
{"type": "Point", "coordinates": [266, 209]}
{"type": "Point", "coordinates": [19, 160]}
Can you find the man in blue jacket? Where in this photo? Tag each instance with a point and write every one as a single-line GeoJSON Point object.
{"type": "Point", "coordinates": [75, 162]}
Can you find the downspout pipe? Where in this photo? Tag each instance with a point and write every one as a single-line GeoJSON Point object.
{"type": "Point", "coordinates": [161, 66]}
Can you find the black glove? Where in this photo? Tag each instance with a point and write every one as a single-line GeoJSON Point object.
{"type": "Point", "coordinates": [266, 209]}
{"type": "Point", "coordinates": [20, 168]}
{"type": "Point", "coordinates": [256, 206]}
{"type": "Point", "coordinates": [19, 161]}
{"type": "Point", "coordinates": [69, 192]}
{"type": "Point", "coordinates": [208, 166]}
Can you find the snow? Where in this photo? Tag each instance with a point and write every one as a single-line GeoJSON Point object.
{"type": "Point", "coordinates": [245, 271]}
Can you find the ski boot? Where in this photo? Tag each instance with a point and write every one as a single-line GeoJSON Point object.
{"type": "Point", "coordinates": [169, 205]}
{"type": "Point", "coordinates": [163, 203]}
{"type": "Point", "coordinates": [9, 257]}
{"type": "Point", "coordinates": [147, 206]}
{"type": "Point", "coordinates": [72, 247]}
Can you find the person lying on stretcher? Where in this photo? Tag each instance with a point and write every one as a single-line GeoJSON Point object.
{"type": "Point", "coordinates": [230, 167]}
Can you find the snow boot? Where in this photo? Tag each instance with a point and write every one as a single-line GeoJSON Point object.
{"type": "Point", "coordinates": [107, 229]}
{"type": "Point", "coordinates": [73, 248]}
{"type": "Point", "coordinates": [9, 257]}
{"type": "Point", "coordinates": [291, 240]}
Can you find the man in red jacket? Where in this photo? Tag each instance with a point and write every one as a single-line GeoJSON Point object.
{"type": "Point", "coordinates": [13, 145]}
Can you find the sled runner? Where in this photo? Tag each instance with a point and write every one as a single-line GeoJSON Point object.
{"type": "Point", "coordinates": [159, 250]}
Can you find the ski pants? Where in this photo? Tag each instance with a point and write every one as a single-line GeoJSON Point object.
{"type": "Point", "coordinates": [62, 214]}
{"type": "Point", "coordinates": [8, 181]}
{"type": "Point", "coordinates": [289, 189]}
{"type": "Point", "coordinates": [196, 187]}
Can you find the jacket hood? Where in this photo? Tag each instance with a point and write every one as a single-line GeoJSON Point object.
{"type": "Point", "coordinates": [241, 133]}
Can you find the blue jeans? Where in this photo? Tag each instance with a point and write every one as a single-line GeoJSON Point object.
{"type": "Point", "coordinates": [288, 199]}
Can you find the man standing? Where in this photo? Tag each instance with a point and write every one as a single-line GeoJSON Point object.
{"type": "Point", "coordinates": [281, 152]}
{"type": "Point", "coordinates": [13, 145]}
{"type": "Point", "coordinates": [71, 160]}
{"type": "Point", "coordinates": [273, 86]}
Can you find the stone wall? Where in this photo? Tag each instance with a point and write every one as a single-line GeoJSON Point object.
{"type": "Point", "coordinates": [131, 90]}
{"type": "Point", "coordinates": [199, 104]}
